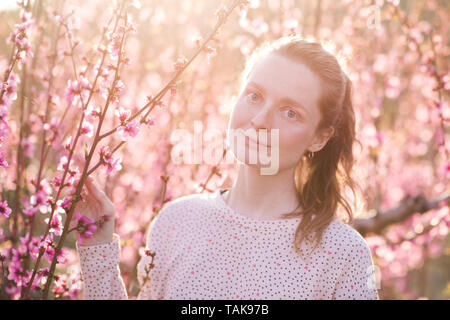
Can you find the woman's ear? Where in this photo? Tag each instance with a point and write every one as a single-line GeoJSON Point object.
{"type": "Point", "coordinates": [321, 139]}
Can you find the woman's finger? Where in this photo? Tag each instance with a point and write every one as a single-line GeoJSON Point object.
{"type": "Point", "coordinates": [96, 192]}
{"type": "Point", "coordinates": [89, 207]}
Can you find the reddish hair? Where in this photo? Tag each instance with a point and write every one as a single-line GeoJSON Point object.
{"type": "Point", "coordinates": [320, 180]}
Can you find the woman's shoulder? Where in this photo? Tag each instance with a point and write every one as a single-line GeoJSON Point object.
{"type": "Point", "coordinates": [343, 235]}
{"type": "Point", "coordinates": [189, 201]}
{"type": "Point", "coordinates": [186, 204]}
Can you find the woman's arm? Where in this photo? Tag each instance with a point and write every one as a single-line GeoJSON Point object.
{"type": "Point", "coordinates": [357, 280]}
{"type": "Point", "coordinates": [99, 261]}
{"type": "Point", "coordinates": [100, 265]}
{"type": "Point", "coordinates": [100, 253]}
{"type": "Point", "coordinates": [100, 271]}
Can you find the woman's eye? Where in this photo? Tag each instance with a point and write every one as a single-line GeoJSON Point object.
{"type": "Point", "coordinates": [253, 97]}
{"type": "Point", "coordinates": [291, 114]}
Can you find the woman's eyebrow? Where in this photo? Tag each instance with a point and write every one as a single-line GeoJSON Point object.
{"type": "Point", "coordinates": [286, 99]}
{"type": "Point", "coordinates": [257, 86]}
{"type": "Point", "coordinates": [295, 104]}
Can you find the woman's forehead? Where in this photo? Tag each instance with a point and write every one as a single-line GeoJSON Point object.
{"type": "Point", "coordinates": [286, 78]}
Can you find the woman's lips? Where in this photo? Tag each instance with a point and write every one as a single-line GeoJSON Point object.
{"type": "Point", "coordinates": [247, 142]}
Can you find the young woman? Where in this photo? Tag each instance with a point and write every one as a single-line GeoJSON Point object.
{"type": "Point", "coordinates": [268, 236]}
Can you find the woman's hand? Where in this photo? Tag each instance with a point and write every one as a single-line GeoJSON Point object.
{"type": "Point", "coordinates": [96, 205]}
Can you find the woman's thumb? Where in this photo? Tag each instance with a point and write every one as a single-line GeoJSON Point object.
{"type": "Point", "coordinates": [96, 192]}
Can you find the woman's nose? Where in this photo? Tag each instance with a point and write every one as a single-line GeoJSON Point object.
{"type": "Point", "coordinates": [262, 118]}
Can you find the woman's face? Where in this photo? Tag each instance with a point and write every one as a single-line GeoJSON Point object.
{"type": "Point", "coordinates": [279, 94]}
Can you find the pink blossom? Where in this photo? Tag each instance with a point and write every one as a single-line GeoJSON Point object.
{"type": "Point", "coordinates": [108, 161]}
{"type": "Point", "coordinates": [210, 52]}
{"type": "Point", "coordinates": [53, 127]}
{"type": "Point", "coordinates": [49, 247]}
{"type": "Point", "coordinates": [440, 137]}
{"type": "Point", "coordinates": [221, 13]}
{"type": "Point", "coordinates": [15, 255]}
{"type": "Point", "coordinates": [28, 147]}
{"type": "Point", "coordinates": [50, 253]}
{"type": "Point", "coordinates": [47, 241]}
{"type": "Point", "coordinates": [179, 64]}
{"type": "Point", "coordinates": [40, 198]}
{"type": "Point", "coordinates": [56, 224]}
{"type": "Point", "coordinates": [33, 247]}
{"type": "Point", "coordinates": [102, 72]}
{"type": "Point", "coordinates": [41, 275]}
{"type": "Point", "coordinates": [160, 103]}
{"type": "Point", "coordinates": [87, 128]}
{"type": "Point", "coordinates": [97, 112]}
{"type": "Point", "coordinates": [105, 154]}
{"type": "Point", "coordinates": [3, 113]}
{"type": "Point", "coordinates": [446, 81]}
{"type": "Point", "coordinates": [56, 182]}
{"type": "Point", "coordinates": [65, 203]}
{"type": "Point", "coordinates": [38, 278]}
{"type": "Point", "coordinates": [122, 113]}
{"type": "Point", "coordinates": [3, 162]}
{"type": "Point", "coordinates": [15, 273]}
{"type": "Point", "coordinates": [22, 248]}
{"type": "Point", "coordinates": [4, 209]}
{"type": "Point", "coordinates": [84, 82]}
{"type": "Point", "coordinates": [67, 143]}
{"type": "Point", "coordinates": [30, 211]}
{"type": "Point", "coordinates": [149, 122]}
{"type": "Point", "coordinates": [130, 129]}
{"type": "Point", "coordinates": [88, 110]}
{"type": "Point", "coordinates": [11, 88]}
{"type": "Point", "coordinates": [60, 285]}
{"type": "Point", "coordinates": [4, 128]}
{"type": "Point", "coordinates": [85, 226]}
{"type": "Point", "coordinates": [74, 291]}
{"type": "Point", "coordinates": [25, 15]}
{"type": "Point", "coordinates": [115, 165]}
{"type": "Point", "coordinates": [92, 111]}
{"type": "Point", "coordinates": [72, 91]}
{"type": "Point", "coordinates": [114, 45]}
{"type": "Point", "coordinates": [446, 170]}
{"type": "Point", "coordinates": [62, 165]}
{"type": "Point", "coordinates": [20, 37]}
{"type": "Point", "coordinates": [117, 89]}
{"type": "Point", "coordinates": [13, 290]}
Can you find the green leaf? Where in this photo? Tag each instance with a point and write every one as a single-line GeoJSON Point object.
{"type": "Point", "coordinates": [86, 153]}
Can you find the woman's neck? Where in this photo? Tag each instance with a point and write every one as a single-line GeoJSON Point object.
{"type": "Point", "coordinates": [263, 197]}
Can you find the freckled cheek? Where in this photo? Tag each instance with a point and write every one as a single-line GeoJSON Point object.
{"type": "Point", "coordinates": [293, 140]}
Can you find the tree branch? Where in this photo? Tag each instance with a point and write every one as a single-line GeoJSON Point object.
{"type": "Point", "coordinates": [408, 206]}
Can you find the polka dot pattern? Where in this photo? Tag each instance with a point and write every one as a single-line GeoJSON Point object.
{"type": "Point", "coordinates": [206, 250]}
{"type": "Point", "coordinates": [100, 271]}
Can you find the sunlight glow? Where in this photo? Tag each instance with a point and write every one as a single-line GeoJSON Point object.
{"type": "Point", "coordinates": [8, 5]}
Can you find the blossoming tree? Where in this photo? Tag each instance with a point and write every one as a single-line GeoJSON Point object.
{"type": "Point", "coordinates": [94, 92]}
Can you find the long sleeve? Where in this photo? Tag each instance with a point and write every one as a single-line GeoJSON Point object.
{"type": "Point", "coordinates": [100, 265]}
{"type": "Point", "coordinates": [100, 270]}
{"type": "Point", "coordinates": [357, 280]}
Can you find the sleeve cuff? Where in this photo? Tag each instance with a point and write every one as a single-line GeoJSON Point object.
{"type": "Point", "coordinates": [99, 256]}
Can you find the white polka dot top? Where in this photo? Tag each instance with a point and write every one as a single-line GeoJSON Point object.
{"type": "Point", "coordinates": [206, 250]}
